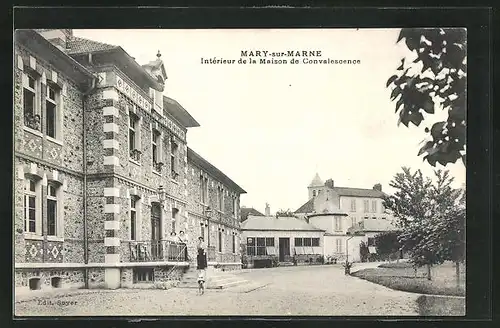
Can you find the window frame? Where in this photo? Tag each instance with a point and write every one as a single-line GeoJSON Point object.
{"type": "Point", "coordinates": [35, 90]}
{"type": "Point", "coordinates": [174, 149]}
{"type": "Point", "coordinates": [55, 102]}
{"type": "Point", "coordinates": [28, 194]}
{"type": "Point", "coordinates": [133, 218]}
{"type": "Point", "coordinates": [53, 199]}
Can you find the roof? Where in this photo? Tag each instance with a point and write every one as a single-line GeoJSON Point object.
{"type": "Point", "coordinates": [316, 182]}
{"type": "Point", "coordinates": [358, 192]}
{"type": "Point", "coordinates": [55, 56]}
{"type": "Point", "coordinates": [271, 223]}
{"type": "Point", "coordinates": [212, 170]}
{"type": "Point", "coordinates": [308, 207]}
{"type": "Point", "coordinates": [77, 45]}
{"type": "Point", "coordinates": [179, 113]}
{"type": "Point", "coordinates": [246, 211]}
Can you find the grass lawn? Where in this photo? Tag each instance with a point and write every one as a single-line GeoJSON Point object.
{"type": "Point", "coordinates": [401, 276]}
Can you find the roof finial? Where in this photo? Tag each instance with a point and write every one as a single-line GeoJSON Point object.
{"type": "Point", "coordinates": [158, 54]}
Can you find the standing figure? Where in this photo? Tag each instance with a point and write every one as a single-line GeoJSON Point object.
{"type": "Point", "coordinates": [201, 265]}
{"type": "Point", "coordinates": [183, 239]}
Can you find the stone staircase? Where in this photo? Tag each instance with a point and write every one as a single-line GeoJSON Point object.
{"type": "Point", "coordinates": [216, 279]}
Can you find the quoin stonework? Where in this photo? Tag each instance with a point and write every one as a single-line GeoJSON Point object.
{"type": "Point", "coordinates": [103, 171]}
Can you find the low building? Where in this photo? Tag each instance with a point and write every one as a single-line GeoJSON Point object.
{"type": "Point", "coordinates": [283, 237]}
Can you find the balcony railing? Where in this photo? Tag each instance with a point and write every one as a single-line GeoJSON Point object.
{"type": "Point", "coordinates": [157, 250]}
{"type": "Point", "coordinates": [214, 256]}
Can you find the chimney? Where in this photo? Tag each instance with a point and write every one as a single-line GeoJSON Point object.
{"type": "Point", "coordinates": [58, 38]}
{"type": "Point", "coordinates": [378, 187]}
{"type": "Point", "coordinates": [268, 210]}
{"type": "Point", "coordinates": [329, 183]}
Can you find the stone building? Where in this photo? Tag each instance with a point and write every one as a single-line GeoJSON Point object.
{"type": "Point", "coordinates": [103, 170]}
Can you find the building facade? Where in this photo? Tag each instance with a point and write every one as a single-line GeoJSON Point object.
{"type": "Point", "coordinates": [103, 175]}
{"type": "Point", "coordinates": [286, 238]}
{"type": "Point", "coordinates": [340, 211]}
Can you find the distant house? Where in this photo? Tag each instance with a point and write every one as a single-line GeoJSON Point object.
{"type": "Point", "coordinates": [282, 237]}
{"type": "Point", "coordinates": [247, 211]}
{"type": "Point", "coordinates": [339, 210]}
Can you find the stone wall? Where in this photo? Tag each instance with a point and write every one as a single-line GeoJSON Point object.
{"type": "Point", "coordinates": [70, 278]}
{"type": "Point", "coordinates": [67, 151]}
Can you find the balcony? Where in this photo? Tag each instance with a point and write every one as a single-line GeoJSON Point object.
{"type": "Point", "coordinates": [157, 251]}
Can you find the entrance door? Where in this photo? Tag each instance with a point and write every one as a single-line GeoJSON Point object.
{"type": "Point", "coordinates": [156, 247]}
{"type": "Point", "coordinates": [284, 248]}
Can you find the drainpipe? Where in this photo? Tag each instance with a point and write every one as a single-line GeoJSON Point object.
{"type": "Point", "coordinates": [85, 230]}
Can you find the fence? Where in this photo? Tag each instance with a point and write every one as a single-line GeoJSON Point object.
{"type": "Point", "coordinates": [157, 250]}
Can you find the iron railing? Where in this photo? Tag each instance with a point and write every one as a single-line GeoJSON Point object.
{"type": "Point", "coordinates": [213, 256]}
{"type": "Point", "coordinates": [157, 250]}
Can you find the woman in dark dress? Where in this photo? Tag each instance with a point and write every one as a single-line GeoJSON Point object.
{"type": "Point", "coordinates": [201, 264]}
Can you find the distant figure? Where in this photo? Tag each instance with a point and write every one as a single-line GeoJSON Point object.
{"type": "Point", "coordinates": [201, 265]}
{"type": "Point", "coordinates": [173, 237]}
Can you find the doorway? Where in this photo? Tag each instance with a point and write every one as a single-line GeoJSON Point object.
{"type": "Point", "coordinates": [284, 248]}
{"type": "Point", "coordinates": [156, 247]}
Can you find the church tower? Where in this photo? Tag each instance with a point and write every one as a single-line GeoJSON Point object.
{"type": "Point", "coordinates": [315, 186]}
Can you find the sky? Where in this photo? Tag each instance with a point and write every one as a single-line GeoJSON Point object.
{"type": "Point", "coordinates": [271, 128]}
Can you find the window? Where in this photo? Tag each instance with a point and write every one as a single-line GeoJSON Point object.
{"type": "Point", "coordinates": [51, 210]}
{"type": "Point", "coordinates": [173, 159]}
{"type": "Point", "coordinates": [314, 193]}
{"type": "Point", "coordinates": [235, 207]}
{"type": "Point", "coordinates": [202, 230]}
{"type": "Point", "coordinates": [353, 221]}
{"type": "Point", "coordinates": [374, 218]}
{"type": "Point", "coordinates": [234, 243]}
{"type": "Point", "coordinates": [203, 190]}
{"type": "Point", "coordinates": [353, 205]}
{"type": "Point", "coordinates": [366, 206]}
{"type": "Point", "coordinates": [257, 246]}
{"type": "Point", "coordinates": [143, 275]}
{"type": "Point", "coordinates": [30, 216]}
{"type": "Point", "coordinates": [251, 246]}
{"type": "Point", "coordinates": [51, 112]}
{"type": "Point", "coordinates": [175, 213]}
{"type": "Point", "coordinates": [314, 242]}
{"type": "Point", "coordinates": [374, 206]}
{"type": "Point", "coordinates": [220, 199]}
{"type": "Point", "coordinates": [156, 150]}
{"type": "Point", "coordinates": [133, 218]}
{"type": "Point", "coordinates": [31, 118]}
{"type": "Point", "coordinates": [338, 245]}
{"type": "Point", "coordinates": [337, 223]}
{"type": "Point", "coordinates": [220, 240]}
{"type": "Point", "coordinates": [134, 137]}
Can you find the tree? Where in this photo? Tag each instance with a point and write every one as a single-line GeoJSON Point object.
{"type": "Point", "coordinates": [439, 83]}
{"type": "Point", "coordinates": [387, 243]}
{"type": "Point", "coordinates": [364, 252]}
{"type": "Point", "coordinates": [431, 217]}
{"type": "Point", "coordinates": [285, 213]}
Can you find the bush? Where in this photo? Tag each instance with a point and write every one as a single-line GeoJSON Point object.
{"type": "Point", "coordinates": [440, 306]}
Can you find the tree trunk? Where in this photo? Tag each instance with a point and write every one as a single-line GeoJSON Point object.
{"type": "Point", "coordinates": [457, 272]}
{"type": "Point", "coordinates": [429, 272]}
